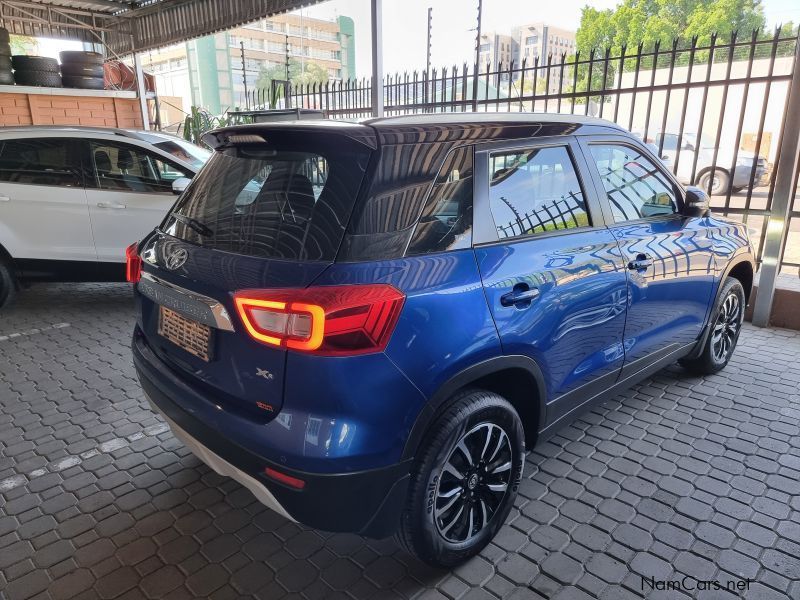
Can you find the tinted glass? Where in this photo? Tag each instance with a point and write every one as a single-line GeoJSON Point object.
{"type": "Point", "coordinates": [274, 203]}
{"type": "Point", "coordinates": [122, 167]}
{"type": "Point", "coordinates": [535, 190]}
{"type": "Point", "coordinates": [185, 151]}
{"type": "Point", "coordinates": [40, 161]}
{"type": "Point", "coordinates": [636, 187]}
{"type": "Point", "coordinates": [446, 220]}
{"type": "Point", "coordinates": [670, 141]}
{"type": "Point", "coordinates": [385, 219]}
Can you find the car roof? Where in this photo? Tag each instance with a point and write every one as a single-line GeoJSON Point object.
{"type": "Point", "coordinates": [461, 118]}
{"type": "Point", "coordinates": [436, 127]}
{"type": "Point", "coordinates": [139, 134]}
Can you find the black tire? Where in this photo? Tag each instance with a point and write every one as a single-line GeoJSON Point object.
{"type": "Point", "coordinates": [38, 78]}
{"type": "Point", "coordinates": [5, 49]}
{"type": "Point", "coordinates": [81, 70]}
{"type": "Point", "coordinates": [4, 37]}
{"type": "Point", "coordinates": [84, 83]}
{"type": "Point", "coordinates": [720, 184]}
{"type": "Point", "coordinates": [726, 325]}
{"type": "Point", "coordinates": [737, 188]}
{"type": "Point", "coordinates": [5, 63]}
{"type": "Point", "coordinates": [8, 283]}
{"type": "Point", "coordinates": [431, 526]}
{"type": "Point", "coordinates": [80, 57]}
{"type": "Point", "coordinates": [44, 64]}
{"type": "Point", "coordinates": [6, 78]}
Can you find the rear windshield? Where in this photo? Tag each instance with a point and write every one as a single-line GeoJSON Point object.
{"type": "Point", "coordinates": [186, 151]}
{"type": "Point", "coordinates": [290, 202]}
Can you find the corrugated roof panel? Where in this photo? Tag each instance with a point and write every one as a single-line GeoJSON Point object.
{"type": "Point", "coordinates": [127, 25]}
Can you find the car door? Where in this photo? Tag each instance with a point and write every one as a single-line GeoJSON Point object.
{"type": "Point", "coordinates": [551, 271]}
{"type": "Point", "coordinates": [668, 256]}
{"type": "Point", "coordinates": [43, 207]}
{"type": "Point", "coordinates": [129, 192]}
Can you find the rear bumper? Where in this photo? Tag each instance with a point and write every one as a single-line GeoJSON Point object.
{"type": "Point", "coordinates": [365, 502]}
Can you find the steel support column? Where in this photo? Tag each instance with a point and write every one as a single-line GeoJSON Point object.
{"type": "Point", "coordinates": [141, 90]}
{"type": "Point", "coordinates": [785, 171]}
{"type": "Point", "coordinates": [377, 57]}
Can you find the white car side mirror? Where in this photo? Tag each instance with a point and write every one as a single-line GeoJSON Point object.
{"type": "Point", "coordinates": [180, 184]}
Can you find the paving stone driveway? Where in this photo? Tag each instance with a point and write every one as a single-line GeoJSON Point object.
{"type": "Point", "coordinates": [679, 476]}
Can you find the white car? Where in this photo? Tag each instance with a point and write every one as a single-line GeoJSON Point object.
{"type": "Point", "coordinates": [73, 198]}
{"type": "Point", "coordinates": [724, 177]}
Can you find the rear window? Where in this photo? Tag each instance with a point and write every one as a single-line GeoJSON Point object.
{"type": "Point", "coordinates": [289, 202]}
{"type": "Point", "coordinates": [40, 161]}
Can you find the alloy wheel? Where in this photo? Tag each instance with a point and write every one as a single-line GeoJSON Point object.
{"type": "Point", "coordinates": [726, 328]}
{"type": "Point", "coordinates": [473, 482]}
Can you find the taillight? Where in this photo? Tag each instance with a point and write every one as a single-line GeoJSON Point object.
{"type": "Point", "coordinates": [133, 263]}
{"type": "Point", "coordinates": [327, 320]}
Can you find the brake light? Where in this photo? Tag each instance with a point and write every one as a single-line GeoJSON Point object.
{"type": "Point", "coordinates": [327, 320]}
{"type": "Point", "coordinates": [133, 263]}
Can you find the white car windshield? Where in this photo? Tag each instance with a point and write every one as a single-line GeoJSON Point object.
{"type": "Point", "coordinates": [185, 151]}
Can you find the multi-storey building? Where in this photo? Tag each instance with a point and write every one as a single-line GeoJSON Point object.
{"type": "Point", "coordinates": [496, 48]}
{"type": "Point", "coordinates": [208, 72]}
{"type": "Point", "coordinates": [529, 43]}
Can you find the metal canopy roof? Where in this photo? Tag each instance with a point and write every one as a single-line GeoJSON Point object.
{"type": "Point", "coordinates": [126, 26]}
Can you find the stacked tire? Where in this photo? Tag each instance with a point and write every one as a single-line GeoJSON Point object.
{"type": "Point", "coordinates": [6, 76]}
{"type": "Point", "coordinates": [38, 71]}
{"type": "Point", "coordinates": [83, 70]}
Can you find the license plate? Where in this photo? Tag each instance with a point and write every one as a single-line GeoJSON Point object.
{"type": "Point", "coordinates": [189, 335]}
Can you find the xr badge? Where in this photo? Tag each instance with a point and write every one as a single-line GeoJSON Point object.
{"type": "Point", "coordinates": [263, 373]}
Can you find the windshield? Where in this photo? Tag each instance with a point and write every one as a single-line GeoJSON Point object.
{"type": "Point", "coordinates": [185, 151]}
{"type": "Point", "coordinates": [705, 140]}
{"type": "Point", "coordinates": [291, 202]}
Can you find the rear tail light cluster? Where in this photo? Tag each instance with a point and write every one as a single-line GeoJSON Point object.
{"type": "Point", "coordinates": [133, 263]}
{"type": "Point", "coordinates": [326, 320]}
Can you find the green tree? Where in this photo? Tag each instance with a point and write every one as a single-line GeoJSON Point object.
{"type": "Point", "coordinates": [23, 44]}
{"type": "Point", "coordinates": [650, 21]}
{"type": "Point", "coordinates": [304, 73]}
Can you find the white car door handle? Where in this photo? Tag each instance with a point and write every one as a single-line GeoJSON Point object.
{"type": "Point", "coordinates": [109, 205]}
{"type": "Point", "coordinates": [5, 199]}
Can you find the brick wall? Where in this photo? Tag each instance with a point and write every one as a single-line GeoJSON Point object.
{"type": "Point", "coordinates": [42, 109]}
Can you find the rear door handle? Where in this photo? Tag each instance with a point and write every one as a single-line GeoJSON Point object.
{"type": "Point", "coordinates": [5, 199]}
{"type": "Point", "coordinates": [642, 262]}
{"type": "Point", "coordinates": [110, 205]}
{"type": "Point", "coordinates": [521, 296]}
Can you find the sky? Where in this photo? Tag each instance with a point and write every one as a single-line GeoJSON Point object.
{"type": "Point", "coordinates": [405, 25]}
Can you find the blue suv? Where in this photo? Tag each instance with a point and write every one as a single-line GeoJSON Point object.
{"type": "Point", "coordinates": [366, 323]}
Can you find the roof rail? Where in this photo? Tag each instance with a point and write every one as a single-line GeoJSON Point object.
{"type": "Point", "coordinates": [84, 128]}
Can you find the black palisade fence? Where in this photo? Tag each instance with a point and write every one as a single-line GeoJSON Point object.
{"type": "Point", "coordinates": [713, 111]}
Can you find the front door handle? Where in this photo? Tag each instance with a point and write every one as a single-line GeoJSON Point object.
{"type": "Point", "coordinates": [110, 205]}
{"type": "Point", "coordinates": [642, 262]}
{"type": "Point", "coordinates": [521, 296]}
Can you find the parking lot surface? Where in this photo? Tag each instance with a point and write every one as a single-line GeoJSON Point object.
{"type": "Point", "coordinates": [679, 481]}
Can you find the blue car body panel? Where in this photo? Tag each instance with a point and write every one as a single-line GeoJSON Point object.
{"type": "Point", "coordinates": [668, 302]}
{"type": "Point", "coordinates": [574, 329]}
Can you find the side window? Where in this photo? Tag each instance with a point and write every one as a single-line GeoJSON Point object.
{"type": "Point", "coordinates": [535, 190]}
{"type": "Point", "coordinates": [40, 161]}
{"type": "Point", "coordinates": [670, 141]}
{"type": "Point", "coordinates": [123, 167]}
{"type": "Point", "coordinates": [636, 187]}
{"type": "Point", "coordinates": [446, 220]}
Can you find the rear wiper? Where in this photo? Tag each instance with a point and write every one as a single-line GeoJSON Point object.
{"type": "Point", "coordinates": [194, 224]}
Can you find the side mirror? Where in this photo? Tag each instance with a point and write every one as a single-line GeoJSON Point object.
{"type": "Point", "coordinates": [697, 203]}
{"type": "Point", "coordinates": [180, 184]}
